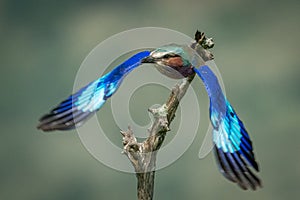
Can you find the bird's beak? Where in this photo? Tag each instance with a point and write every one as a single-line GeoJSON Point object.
{"type": "Point", "coordinates": [149, 59]}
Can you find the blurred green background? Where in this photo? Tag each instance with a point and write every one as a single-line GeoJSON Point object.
{"type": "Point", "coordinates": [43, 43]}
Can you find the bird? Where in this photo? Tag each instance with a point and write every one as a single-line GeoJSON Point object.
{"type": "Point", "coordinates": [233, 147]}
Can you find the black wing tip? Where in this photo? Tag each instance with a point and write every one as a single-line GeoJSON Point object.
{"type": "Point", "coordinates": [46, 127]}
{"type": "Point", "coordinates": [42, 127]}
{"type": "Point", "coordinates": [236, 170]}
{"type": "Point", "coordinates": [256, 166]}
{"type": "Point", "coordinates": [58, 127]}
{"type": "Point", "coordinates": [48, 123]}
{"type": "Point", "coordinates": [249, 157]}
{"type": "Point", "coordinates": [64, 121]}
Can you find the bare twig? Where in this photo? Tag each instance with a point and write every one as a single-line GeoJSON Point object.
{"type": "Point", "coordinates": [143, 155]}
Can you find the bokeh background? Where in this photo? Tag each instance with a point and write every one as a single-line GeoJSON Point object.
{"type": "Point", "coordinates": [42, 44]}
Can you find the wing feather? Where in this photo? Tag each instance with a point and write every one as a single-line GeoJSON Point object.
{"type": "Point", "coordinates": [232, 145]}
{"type": "Point", "coordinates": [77, 108]}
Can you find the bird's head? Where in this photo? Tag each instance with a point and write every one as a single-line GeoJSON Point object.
{"type": "Point", "coordinates": [171, 60]}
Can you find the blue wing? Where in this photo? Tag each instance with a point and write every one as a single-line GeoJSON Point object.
{"type": "Point", "coordinates": [83, 104]}
{"type": "Point", "coordinates": [232, 145]}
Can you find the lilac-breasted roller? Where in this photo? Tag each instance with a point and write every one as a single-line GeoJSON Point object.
{"type": "Point", "coordinates": [232, 145]}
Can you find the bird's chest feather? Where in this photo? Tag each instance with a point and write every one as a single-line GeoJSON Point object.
{"type": "Point", "coordinates": [174, 62]}
{"type": "Point", "coordinates": [178, 64]}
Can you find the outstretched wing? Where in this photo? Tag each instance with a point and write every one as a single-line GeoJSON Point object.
{"type": "Point", "coordinates": [83, 104]}
{"type": "Point", "coordinates": [232, 145]}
